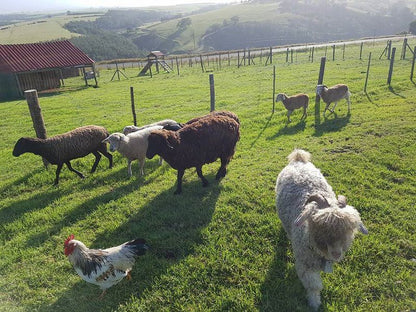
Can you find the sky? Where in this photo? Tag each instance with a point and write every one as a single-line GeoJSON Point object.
{"type": "Point", "coordinates": [26, 6]}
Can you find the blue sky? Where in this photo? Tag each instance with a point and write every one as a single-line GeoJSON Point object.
{"type": "Point", "coordinates": [24, 6]}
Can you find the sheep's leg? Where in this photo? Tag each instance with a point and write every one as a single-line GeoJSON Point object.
{"type": "Point", "coordinates": [312, 282]}
{"type": "Point", "coordinates": [289, 112]}
{"type": "Point", "coordinates": [58, 171]}
{"type": "Point", "coordinates": [326, 107]}
{"type": "Point", "coordinates": [97, 160]}
{"type": "Point", "coordinates": [199, 172]}
{"type": "Point", "coordinates": [333, 108]}
{"type": "Point", "coordinates": [129, 167]}
{"type": "Point", "coordinates": [103, 150]}
{"type": "Point", "coordinates": [141, 165]}
{"type": "Point", "coordinates": [68, 164]}
{"type": "Point", "coordinates": [160, 160]}
{"type": "Point", "coordinates": [223, 169]}
{"type": "Point", "coordinates": [305, 113]}
{"type": "Point", "coordinates": [179, 181]}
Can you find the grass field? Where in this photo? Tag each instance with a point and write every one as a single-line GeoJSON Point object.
{"type": "Point", "coordinates": [220, 248]}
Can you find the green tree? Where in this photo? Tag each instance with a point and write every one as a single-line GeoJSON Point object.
{"type": "Point", "coordinates": [412, 27]}
{"type": "Point", "coordinates": [184, 23]}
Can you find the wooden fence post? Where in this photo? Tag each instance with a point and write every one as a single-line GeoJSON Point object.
{"type": "Point", "coordinates": [313, 49]}
{"type": "Point", "coordinates": [212, 91]}
{"type": "Point", "coordinates": [413, 63]}
{"type": "Point", "coordinates": [274, 86]}
{"type": "Point", "coordinates": [317, 97]}
{"type": "Point", "coordinates": [37, 118]}
{"type": "Point", "coordinates": [333, 52]}
{"type": "Point", "coordinates": [133, 109]}
{"type": "Point", "coordinates": [177, 65]}
{"type": "Point", "coordinates": [368, 71]}
{"type": "Point", "coordinates": [393, 52]}
{"type": "Point", "coordinates": [361, 50]}
{"type": "Point", "coordinates": [404, 49]}
{"type": "Point", "coordinates": [287, 55]}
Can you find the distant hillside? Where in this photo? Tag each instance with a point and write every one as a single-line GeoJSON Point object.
{"type": "Point", "coordinates": [202, 27]}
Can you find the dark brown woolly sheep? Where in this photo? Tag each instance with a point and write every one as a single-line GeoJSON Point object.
{"type": "Point", "coordinates": [62, 148]}
{"type": "Point", "coordinates": [200, 142]}
{"type": "Point", "coordinates": [215, 113]}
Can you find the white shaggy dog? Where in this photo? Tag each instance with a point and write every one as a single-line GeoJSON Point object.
{"type": "Point", "coordinates": [320, 226]}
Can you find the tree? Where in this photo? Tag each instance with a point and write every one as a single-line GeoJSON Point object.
{"type": "Point", "coordinates": [184, 23]}
{"type": "Point", "coordinates": [412, 27]}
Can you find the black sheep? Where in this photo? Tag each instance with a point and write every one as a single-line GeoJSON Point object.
{"type": "Point", "coordinates": [62, 148]}
{"type": "Point", "coordinates": [201, 142]}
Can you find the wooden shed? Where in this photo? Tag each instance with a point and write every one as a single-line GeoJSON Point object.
{"type": "Point", "coordinates": [40, 66]}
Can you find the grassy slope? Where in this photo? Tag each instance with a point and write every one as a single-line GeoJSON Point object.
{"type": "Point", "coordinates": [220, 247]}
{"type": "Point", "coordinates": [36, 31]}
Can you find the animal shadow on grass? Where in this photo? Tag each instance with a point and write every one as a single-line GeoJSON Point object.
{"type": "Point", "coordinates": [290, 129]}
{"type": "Point", "coordinates": [172, 227]}
{"type": "Point", "coordinates": [282, 290]}
{"type": "Point", "coordinates": [266, 125]}
{"type": "Point", "coordinates": [16, 209]}
{"type": "Point", "coordinates": [331, 125]}
{"type": "Point", "coordinates": [87, 207]}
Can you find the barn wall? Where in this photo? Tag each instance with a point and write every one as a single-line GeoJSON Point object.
{"type": "Point", "coordinates": [44, 80]}
{"type": "Point", "coordinates": [8, 87]}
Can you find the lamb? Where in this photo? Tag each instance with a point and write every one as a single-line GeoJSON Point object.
{"type": "Point", "coordinates": [132, 146]}
{"type": "Point", "coordinates": [294, 102]}
{"type": "Point", "coordinates": [168, 124]}
{"type": "Point", "coordinates": [320, 226]}
{"type": "Point", "coordinates": [62, 148]}
{"type": "Point", "coordinates": [334, 94]}
{"type": "Point", "coordinates": [201, 142]}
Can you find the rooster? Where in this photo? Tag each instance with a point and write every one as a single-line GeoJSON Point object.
{"type": "Point", "coordinates": [104, 267]}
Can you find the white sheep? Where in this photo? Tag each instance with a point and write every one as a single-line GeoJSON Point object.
{"type": "Point", "coordinates": [334, 94]}
{"type": "Point", "coordinates": [132, 146]}
{"type": "Point", "coordinates": [294, 102]}
{"type": "Point", "coordinates": [320, 226]}
{"type": "Point", "coordinates": [167, 124]}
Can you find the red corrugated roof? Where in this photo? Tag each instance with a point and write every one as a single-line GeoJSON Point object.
{"type": "Point", "coordinates": [36, 56]}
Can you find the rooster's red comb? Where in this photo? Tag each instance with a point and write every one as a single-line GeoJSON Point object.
{"type": "Point", "coordinates": [70, 237]}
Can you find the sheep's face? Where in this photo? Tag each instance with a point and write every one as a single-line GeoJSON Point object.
{"type": "Point", "coordinates": [279, 97]}
{"type": "Point", "coordinates": [154, 141]}
{"type": "Point", "coordinates": [332, 231]}
{"type": "Point", "coordinates": [114, 141]}
{"type": "Point", "coordinates": [18, 148]}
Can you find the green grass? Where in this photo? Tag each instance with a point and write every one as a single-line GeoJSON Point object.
{"type": "Point", "coordinates": [220, 247]}
{"type": "Point", "coordinates": [44, 29]}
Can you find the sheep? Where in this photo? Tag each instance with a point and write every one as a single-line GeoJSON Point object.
{"type": "Point", "coordinates": [168, 124]}
{"type": "Point", "coordinates": [132, 146]}
{"type": "Point", "coordinates": [320, 226]}
{"type": "Point", "coordinates": [334, 94]}
{"type": "Point", "coordinates": [201, 142]}
{"type": "Point", "coordinates": [293, 102]}
{"type": "Point", "coordinates": [215, 113]}
{"type": "Point", "coordinates": [62, 148]}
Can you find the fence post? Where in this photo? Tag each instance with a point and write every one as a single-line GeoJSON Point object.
{"type": "Point", "coordinates": [393, 52]}
{"type": "Point", "coordinates": [333, 52]}
{"type": "Point", "coordinates": [313, 48]}
{"type": "Point", "coordinates": [133, 110]}
{"type": "Point", "coordinates": [202, 62]}
{"type": "Point", "coordinates": [361, 50]}
{"type": "Point", "coordinates": [271, 55]}
{"type": "Point", "coordinates": [177, 65]}
{"type": "Point", "coordinates": [287, 55]}
{"type": "Point", "coordinates": [368, 71]}
{"type": "Point", "coordinates": [274, 86]}
{"type": "Point", "coordinates": [212, 91]}
{"type": "Point", "coordinates": [389, 49]}
{"type": "Point", "coordinates": [317, 97]}
{"type": "Point", "coordinates": [343, 52]}
{"type": "Point", "coordinates": [37, 118]}
{"type": "Point", "coordinates": [404, 49]}
{"type": "Point", "coordinates": [413, 63]}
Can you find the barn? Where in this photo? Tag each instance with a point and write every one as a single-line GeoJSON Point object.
{"type": "Point", "coordinates": [40, 66]}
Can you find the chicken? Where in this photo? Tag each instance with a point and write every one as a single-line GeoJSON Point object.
{"type": "Point", "coordinates": [104, 267]}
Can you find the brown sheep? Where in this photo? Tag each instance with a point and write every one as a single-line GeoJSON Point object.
{"type": "Point", "coordinates": [201, 142]}
{"type": "Point", "coordinates": [62, 148]}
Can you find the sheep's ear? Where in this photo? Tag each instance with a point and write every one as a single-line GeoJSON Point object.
{"type": "Point", "coordinates": [362, 228]}
{"type": "Point", "coordinates": [342, 201]}
{"type": "Point", "coordinates": [306, 213]}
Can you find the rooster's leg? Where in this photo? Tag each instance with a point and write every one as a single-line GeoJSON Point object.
{"type": "Point", "coordinates": [102, 294]}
